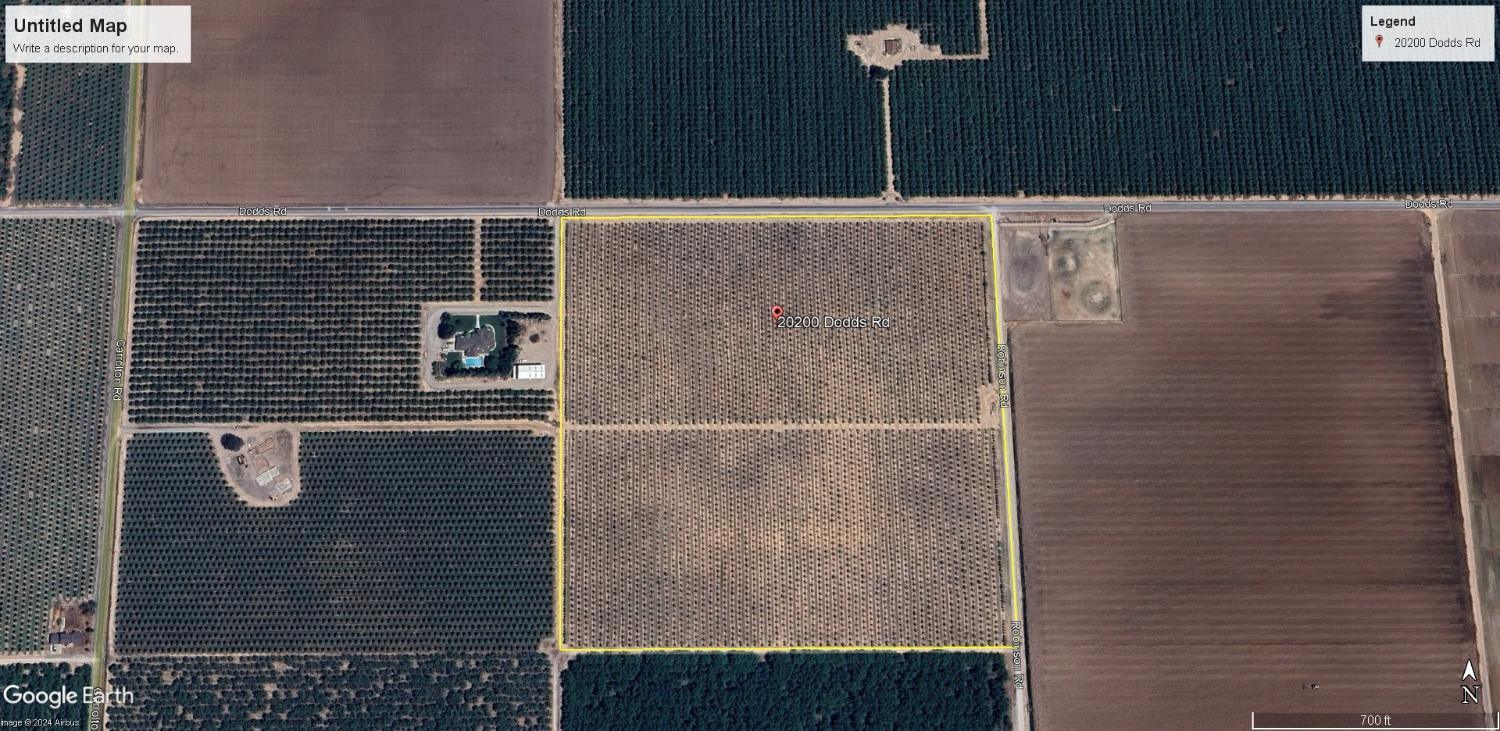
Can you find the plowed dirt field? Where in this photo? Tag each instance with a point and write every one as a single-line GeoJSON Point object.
{"type": "Point", "coordinates": [368, 103]}
{"type": "Point", "coordinates": [1243, 497]}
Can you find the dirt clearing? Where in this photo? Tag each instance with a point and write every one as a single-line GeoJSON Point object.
{"type": "Point", "coordinates": [368, 103]}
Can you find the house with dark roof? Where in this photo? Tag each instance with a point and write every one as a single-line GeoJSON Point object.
{"type": "Point", "coordinates": [477, 342]}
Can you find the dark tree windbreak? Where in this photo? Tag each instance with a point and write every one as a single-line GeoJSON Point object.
{"type": "Point", "coordinates": [787, 692]}
{"type": "Point", "coordinates": [446, 691]}
{"type": "Point", "coordinates": [45, 678]}
{"type": "Point", "coordinates": [7, 105]}
{"type": "Point", "coordinates": [398, 541]}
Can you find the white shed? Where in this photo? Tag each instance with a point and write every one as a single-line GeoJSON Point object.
{"type": "Point", "coordinates": [530, 371]}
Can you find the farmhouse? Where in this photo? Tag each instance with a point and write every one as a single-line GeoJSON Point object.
{"type": "Point", "coordinates": [477, 342]}
{"type": "Point", "coordinates": [473, 346]}
{"type": "Point", "coordinates": [60, 642]}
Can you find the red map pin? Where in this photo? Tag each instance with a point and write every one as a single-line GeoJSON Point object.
{"type": "Point", "coordinates": [1379, 40]}
{"type": "Point", "coordinates": [776, 311]}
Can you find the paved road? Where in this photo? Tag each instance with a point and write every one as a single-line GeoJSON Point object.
{"type": "Point", "coordinates": [1000, 205]}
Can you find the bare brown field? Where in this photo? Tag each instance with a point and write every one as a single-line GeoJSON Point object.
{"type": "Point", "coordinates": [356, 102]}
{"type": "Point", "coordinates": [1243, 497]}
{"type": "Point", "coordinates": [671, 321]}
{"type": "Point", "coordinates": [772, 538]}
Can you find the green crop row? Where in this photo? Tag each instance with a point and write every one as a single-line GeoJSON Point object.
{"type": "Point", "coordinates": [72, 139]}
{"type": "Point", "coordinates": [754, 99]}
{"type": "Point", "coordinates": [787, 692]}
{"type": "Point", "coordinates": [56, 355]}
{"type": "Point", "coordinates": [53, 679]}
{"type": "Point", "coordinates": [300, 321]}
{"type": "Point", "coordinates": [516, 258]}
{"type": "Point", "coordinates": [454, 691]}
{"type": "Point", "coordinates": [397, 541]}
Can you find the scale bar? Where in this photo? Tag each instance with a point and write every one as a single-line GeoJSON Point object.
{"type": "Point", "coordinates": [1369, 721]}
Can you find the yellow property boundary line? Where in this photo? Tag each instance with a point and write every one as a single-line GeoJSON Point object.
{"type": "Point", "coordinates": [1014, 576]}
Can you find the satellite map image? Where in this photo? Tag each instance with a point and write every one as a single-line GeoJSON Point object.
{"type": "Point", "coordinates": [750, 365]}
